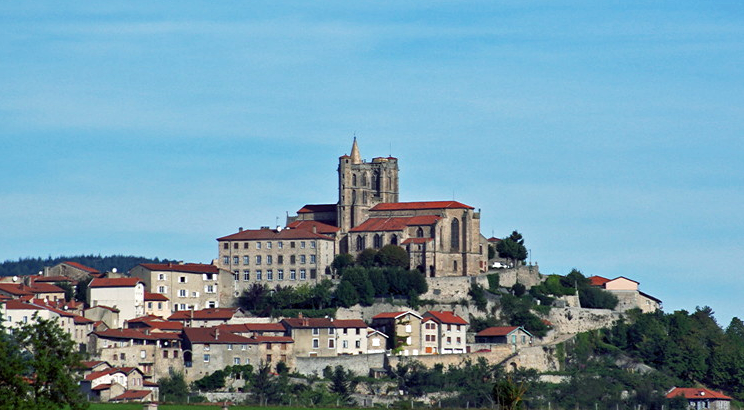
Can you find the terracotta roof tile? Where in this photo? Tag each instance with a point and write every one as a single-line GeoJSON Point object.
{"type": "Point", "coordinates": [81, 266]}
{"type": "Point", "coordinates": [212, 335]}
{"type": "Point", "coordinates": [446, 317]}
{"type": "Point", "coordinates": [155, 297]}
{"type": "Point", "coordinates": [395, 223]}
{"type": "Point", "coordinates": [204, 314]}
{"type": "Point", "coordinates": [597, 280]}
{"type": "Point", "coordinates": [497, 331]}
{"type": "Point", "coordinates": [412, 206]}
{"type": "Point", "coordinates": [274, 235]}
{"type": "Point", "coordinates": [320, 227]}
{"type": "Point", "coordinates": [114, 282]}
{"type": "Point", "coordinates": [181, 267]}
{"type": "Point", "coordinates": [310, 208]}
{"type": "Point", "coordinates": [692, 393]}
{"type": "Point", "coordinates": [132, 395]}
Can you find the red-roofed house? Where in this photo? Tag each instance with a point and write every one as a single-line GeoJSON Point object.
{"type": "Point", "coordinates": [286, 257]}
{"type": "Point", "coordinates": [700, 398]}
{"type": "Point", "coordinates": [207, 350]}
{"type": "Point", "coordinates": [155, 353]}
{"type": "Point", "coordinates": [188, 286]}
{"type": "Point", "coordinates": [403, 330]}
{"type": "Point", "coordinates": [627, 292]}
{"type": "Point", "coordinates": [516, 336]}
{"type": "Point", "coordinates": [208, 317]}
{"type": "Point", "coordinates": [157, 304]}
{"type": "Point", "coordinates": [125, 294]}
{"type": "Point", "coordinates": [444, 332]}
{"type": "Point", "coordinates": [105, 384]}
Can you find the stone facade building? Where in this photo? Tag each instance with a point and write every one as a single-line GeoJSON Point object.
{"type": "Point", "coordinates": [403, 330]}
{"type": "Point", "coordinates": [188, 286]}
{"type": "Point", "coordinates": [442, 238]}
{"type": "Point", "coordinates": [286, 257]}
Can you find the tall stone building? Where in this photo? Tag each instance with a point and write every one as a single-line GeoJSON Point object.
{"type": "Point", "coordinates": [441, 237]}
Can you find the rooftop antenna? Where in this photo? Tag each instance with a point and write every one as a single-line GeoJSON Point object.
{"type": "Point", "coordinates": [391, 150]}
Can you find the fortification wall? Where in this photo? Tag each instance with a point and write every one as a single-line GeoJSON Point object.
{"type": "Point", "coordinates": [528, 276]}
{"type": "Point", "coordinates": [357, 364]}
{"type": "Point", "coordinates": [571, 320]}
{"type": "Point", "coordinates": [495, 356]}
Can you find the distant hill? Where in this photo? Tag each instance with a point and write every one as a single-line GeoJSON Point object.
{"type": "Point", "coordinates": [32, 266]}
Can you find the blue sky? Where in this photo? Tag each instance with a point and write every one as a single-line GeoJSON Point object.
{"type": "Point", "coordinates": [608, 133]}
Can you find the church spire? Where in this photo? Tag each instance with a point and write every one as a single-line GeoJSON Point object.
{"type": "Point", "coordinates": [355, 157]}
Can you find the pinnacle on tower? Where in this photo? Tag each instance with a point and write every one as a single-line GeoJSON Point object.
{"type": "Point", "coordinates": [356, 158]}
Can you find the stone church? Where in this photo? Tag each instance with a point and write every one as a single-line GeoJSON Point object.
{"type": "Point", "coordinates": [442, 238]}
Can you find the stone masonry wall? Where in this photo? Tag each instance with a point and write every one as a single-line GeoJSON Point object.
{"type": "Point", "coordinates": [357, 364]}
{"type": "Point", "coordinates": [496, 355]}
{"type": "Point", "coordinates": [571, 320]}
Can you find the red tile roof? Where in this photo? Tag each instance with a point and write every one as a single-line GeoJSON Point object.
{"type": "Point", "coordinates": [446, 317]}
{"type": "Point", "coordinates": [132, 395]}
{"type": "Point", "coordinates": [412, 206]}
{"type": "Point", "coordinates": [494, 239]}
{"type": "Point", "coordinates": [497, 331]}
{"type": "Point", "coordinates": [113, 309]}
{"type": "Point", "coordinates": [91, 364]}
{"type": "Point", "coordinates": [205, 314]}
{"type": "Point", "coordinates": [597, 280]}
{"type": "Point", "coordinates": [16, 289]}
{"type": "Point", "coordinates": [20, 305]}
{"type": "Point", "coordinates": [253, 327]}
{"type": "Point", "coordinates": [135, 334]}
{"type": "Point", "coordinates": [155, 297]}
{"type": "Point", "coordinates": [181, 267]}
{"type": "Point", "coordinates": [395, 315]}
{"type": "Point", "coordinates": [320, 227]}
{"type": "Point", "coordinates": [212, 335]}
{"type": "Point", "coordinates": [307, 322]}
{"type": "Point", "coordinates": [46, 288]}
{"type": "Point", "coordinates": [102, 387]}
{"type": "Point", "coordinates": [114, 282]}
{"type": "Point", "coordinates": [349, 323]}
{"type": "Point", "coordinates": [692, 393]}
{"type": "Point", "coordinates": [272, 234]}
{"type": "Point", "coordinates": [80, 266]}
{"type": "Point", "coordinates": [310, 208]}
{"type": "Point", "coordinates": [395, 224]}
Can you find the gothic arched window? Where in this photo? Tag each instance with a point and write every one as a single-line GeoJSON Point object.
{"type": "Point", "coordinates": [420, 232]}
{"type": "Point", "coordinates": [360, 243]}
{"type": "Point", "coordinates": [378, 241]}
{"type": "Point", "coordinates": [364, 180]}
{"type": "Point", "coordinates": [455, 235]}
{"type": "Point", "coordinates": [353, 180]}
{"type": "Point", "coordinates": [394, 239]}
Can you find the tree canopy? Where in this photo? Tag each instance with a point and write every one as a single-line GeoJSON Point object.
{"type": "Point", "coordinates": [39, 369]}
{"type": "Point", "coordinates": [512, 248]}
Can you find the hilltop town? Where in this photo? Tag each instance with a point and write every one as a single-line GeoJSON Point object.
{"type": "Point", "coordinates": [400, 282]}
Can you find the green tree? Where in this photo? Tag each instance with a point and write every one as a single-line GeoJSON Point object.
{"type": "Point", "coordinates": [341, 262]}
{"type": "Point", "coordinates": [393, 255]}
{"type": "Point", "coordinates": [512, 248]}
{"type": "Point", "coordinates": [367, 258]}
{"type": "Point", "coordinates": [342, 384]}
{"type": "Point", "coordinates": [346, 295]}
{"type": "Point", "coordinates": [51, 363]}
{"type": "Point", "coordinates": [508, 395]}
{"type": "Point", "coordinates": [13, 388]}
{"type": "Point", "coordinates": [173, 389]}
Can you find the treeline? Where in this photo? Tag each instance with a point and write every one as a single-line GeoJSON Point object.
{"type": "Point", "coordinates": [691, 347]}
{"type": "Point", "coordinates": [373, 274]}
{"type": "Point", "coordinates": [32, 266]}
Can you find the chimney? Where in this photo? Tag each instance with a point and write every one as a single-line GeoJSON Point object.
{"type": "Point", "coordinates": [217, 334]}
{"type": "Point", "coordinates": [240, 229]}
{"type": "Point", "coordinates": [315, 229]}
{"type": "Point", "coordinates": [299, 315]}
